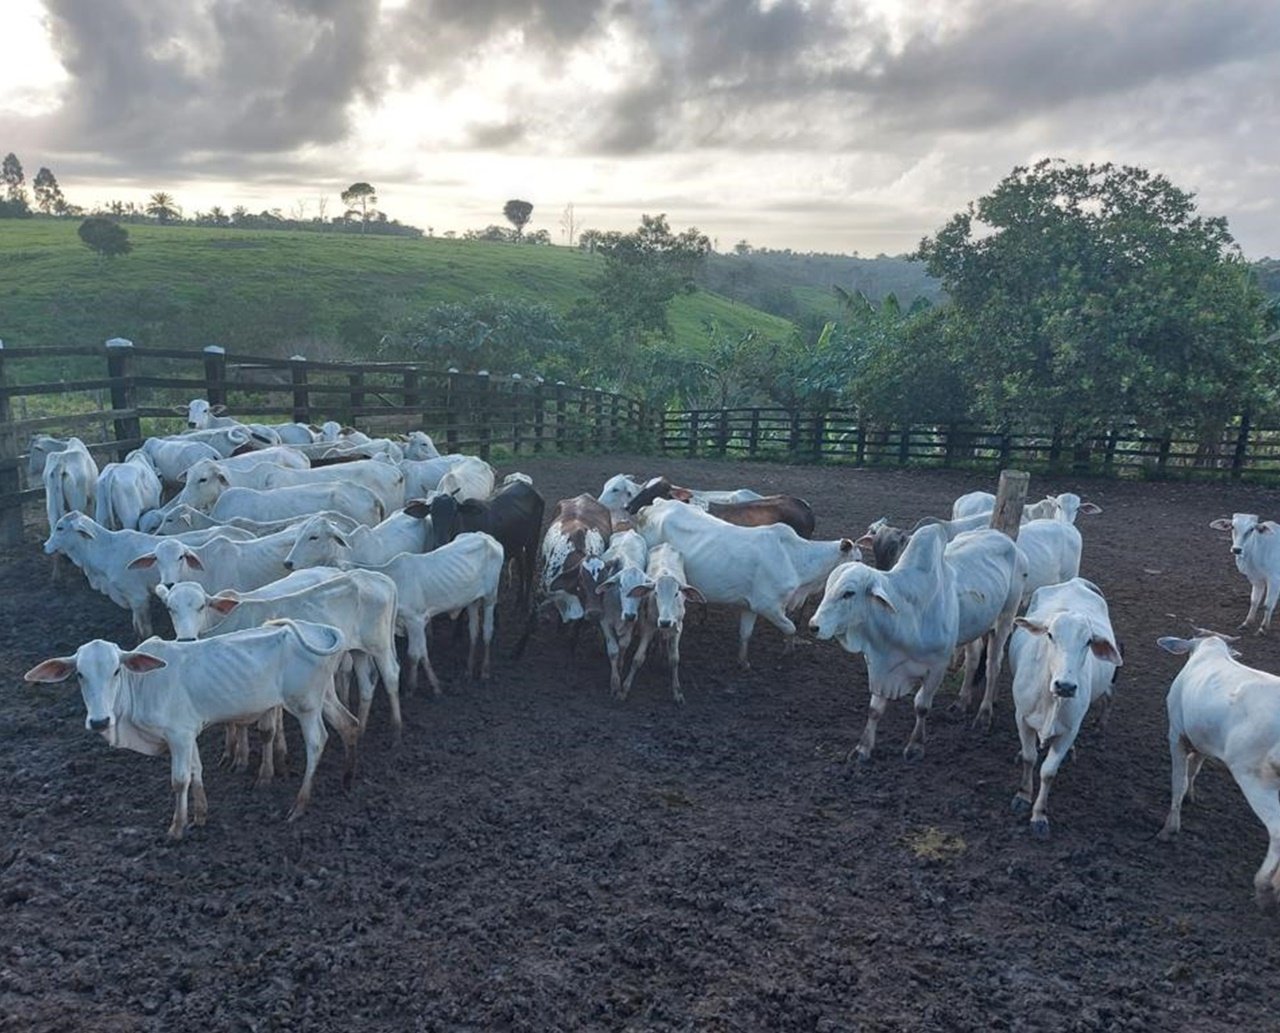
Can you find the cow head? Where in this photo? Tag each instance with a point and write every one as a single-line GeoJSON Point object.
{"type": "Point", "coordinates": [633, 587]}
{"type": "Point", "coordinates": [1071, 638]}
{"type": "Point", "coordinates": [193, 610]}
{"type": "Point", "coordinates": [885, 542]}
{"type": "Point", "coordinates": [1243, 526]}
{"type": "Point", "coordinates": [172, 560]}
{"type": "Point", "coordinates": [855, 596]}
{"type": "Point", "coordinates": [203, 484]}
{"type": "Point", "coordinates": [320, 543]}
{"type": "Point", "coordinates": [70, 532]}
{"type": "Point", "coordinates": [99, 665]}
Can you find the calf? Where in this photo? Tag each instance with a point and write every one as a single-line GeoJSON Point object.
{"type": "Point", "coordinates": [70, 482]}
{"type": "Point", "coordinates": [622, 592]}
{"type": "Point", "coordinates": [1255, 544]}
{"type": "Point", "coordinates": [219, 564]}
{"type": "Point", "coordinates": [41, 447]}
{"type": "Point", "coordinates": [158, 698]}
{"type": "Point", "coordinates": [422, 476]}
{"type": "Point", "coordinates": [361, 602]}
{"type": "Point", "coordinates": [1063, 507]}
{"type": "Point", "coordinates": [572, 557]}
{"type": "Point", "coordinates": [759, 512]}
{"type": "Point", "coordinates": [183, 518]}
{"type": "Point", "coordinates": [385, 480]}
{"type": "Point", "coordinates": [907, 622]}
{"type": "Point", "coordinates": [470, 479]}
{"type": "Point", "coordinates": [512, 515]}
{"type": "Point", "coordinates": [1220, 708]}
{"type": "Point", "coordinates": [762, 571]}
{"type": "Point", "coordinates": [355, 501]}
{"type": "Point", "coordinates": [664, 592]}
{"type": "Point", "coordinates": [1063, 657]}
{"type": "Point", "coordinates": [619, 490]}
{"type": "Point", "coordinates": [463, 575]}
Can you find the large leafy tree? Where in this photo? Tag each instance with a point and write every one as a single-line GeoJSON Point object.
{"type": "Point", "coordinates": [1083, 293]}
{"type": "Point", "coordinates": [105, 237]}
{"type": "Point", "coordinates": [518, 213]}
{"type": "Point", "coordinates": [14, 204]}
{"type": "Point", "coordinates": [361, 199]}
{"type": "Point", "coordinates": [49, 197]}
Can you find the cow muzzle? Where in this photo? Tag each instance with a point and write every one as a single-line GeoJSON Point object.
{"type": "Point", "coordinates": [288, 564]}
{"type": "Point", "coordinates": [1236, 550]}
{"type": "Point", "coordinates": [99, 724]}
{"type": "Point", "coordinates": [630, 618]}
{"type": "Point", "coordinates": [191, 425]}
{"type": "Point", "coordinates": [1064, 689]}
{"type": "Point", "coordinates": [666, 623]}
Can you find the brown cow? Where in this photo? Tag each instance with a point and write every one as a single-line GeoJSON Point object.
{"type": "Point", "coordinates": [773, 509]}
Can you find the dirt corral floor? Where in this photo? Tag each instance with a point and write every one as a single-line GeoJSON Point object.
{"type": "Point", "coordinates": [537, 856]}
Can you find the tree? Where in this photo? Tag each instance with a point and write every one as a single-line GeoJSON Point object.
{"type": "Point", "coordinates": [518, 213]}
{"type": "Point", "coordinates": [104, 236]}
{"type": "Point", "coordinates": [569, 224]}
{"type": "Point", "coordinates": [162, 208]}
{"type": "Point", "coordinates": [49, 197]}
{"type": "Point", "coordinates": [1082, 294]}
{"type": "Point", "coordinates": [360, 199]}
{"type": "Point", "coordinates": [16, 204]}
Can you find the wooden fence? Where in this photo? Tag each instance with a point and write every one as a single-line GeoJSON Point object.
{"type": "Point", "coordinates": [841, 435]}
{"type": "Point", "coordinates": [116, 395]}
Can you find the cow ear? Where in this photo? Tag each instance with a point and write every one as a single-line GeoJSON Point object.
{"type": "Point", "coordinates": [182, 477]}
{"type": "Point", "coordinates": [1091, 508]}
{"type": "Point", "coordinates": [144, 562]}
{"type": "Point", "coordinates": [217, 410]}
{"type": "Point", "coordinates": [866, 541]}
{"type": "Point", "coordinates": [1035, 627]}
{"type": "Point", "coordinates": [141, 663]}
{"type": "Point", "coordinates": [692, 594]}
{"type": "Point", "coordinates": [640, 591]}
{"type": "Point", "coordinates": [417, 508]}
{"type": "Point", "coordinates": [337, 537]}
{"type": "Point", "coordinates": [1262, 528]}
{"type": "Point", "coordinates": [683, 494]}
{"type": "Point", "coordinates": [222, 478]}
{"type": "Point", "coordinates": [1177, 646]}
{"type": "Point", "coordinates": [60, 668]}
{"type": "Point", "coordinates": [1221, 524]}
{"type": "Point", "coordinates": [85, 532]}
{"type": "Point", "coordinates": [193, 561]}
{"type": "Point", "coordinates": [162, 593]}
{"type": "Point", "coordinates": [224, 604]}
{"type": "Point", "coordinates": [1104, 649]}
{"type": "Point", "coordinates": [847, 545]}
{"type": "Point", "coordinates": [878, 594]}
{"type": "Point", "coordinates": [181, 410]}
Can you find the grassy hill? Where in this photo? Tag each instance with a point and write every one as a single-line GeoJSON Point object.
{"type": "Point", "coordinates": [325, 295]}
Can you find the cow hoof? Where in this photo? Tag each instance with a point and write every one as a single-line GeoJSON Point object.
{"type": "Point", "coordinates": [262, 782]}
{"type": "Point", "coordinates": [1020, 805]}
{"type": "Point", "coordinates": [1040, 828]}
{"type": "Point", "coordinates": [1261, 631]}
{"type": "Point", "coordinates": [982, 722]}
{"type": "Point", "coordinates": [914, 751]}
{"type": "Point", "coordinates": [1265, 898]}
{"type": "Point", "coordinates": [1166, 834]}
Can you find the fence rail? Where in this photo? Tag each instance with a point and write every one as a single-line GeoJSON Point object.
{"type": "Point", "coordinates": [142, 386]}
{"type": "Point", "coordinates": [1239, 447]}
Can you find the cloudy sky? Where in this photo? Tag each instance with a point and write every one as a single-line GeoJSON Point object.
{"type": "Point", "coordinates": [834, 125]}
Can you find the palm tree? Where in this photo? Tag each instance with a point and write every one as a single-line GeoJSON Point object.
{"type": "Point", "coordinates": [217, 216]}
{"type": "Point", "coordinates": [162, 208]}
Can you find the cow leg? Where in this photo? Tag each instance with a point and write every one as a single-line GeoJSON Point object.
{"type": "Point", "coordinates": [673, 658]}
{"type": "Point", "coordinates": [1269, 605]}
{"type": "Point", "coordinates": [418, 656]}
{"type": "Point", "coordinates": [779, 619]}
{"type": "Point", "coordinates": [342, 721]}
{"type": "Point", "coordinates": [1257, 590]}
{"type": "Point", "coordinates": [269, 732]}
{"type": "Point", "coordinates": [914, 749]}
{"type": "Point", "coordinates": [199, 802]}
{"type": "Point", "coordinates": [180, 768]}
{"type": "Point", "coordinates": [240, 755]}
{"type": "Point", "coordinates": [362, 666]}
{"type": "Point", "coordinates": [1057, 752]}
{"type": "Point", "coordinates": [228, 746]}
{"type": "Point", "coordinates": [638, 658]}
{"type": "Point", "coordinates": [1028, 755]}
{"type": "Point", "coordinates": [1263, 794]}
{"type": "Point", "coordinates": [142, 620]}
{"type": "Point", "coordinates": [868, 741]}
{"type": "Point", "coordinates": [473, 633]}
{"type": "Point", "coordinates": [1194, 763]}
{"type": "Point", "coordinates": [342, 679]}
{"type": "Point", "coordinates": [389, 671]}
{"type": "Point", "coordinates": [995, 641]}
{"type": "Point", "coordinates": [612, 647]}
{"type": "Point", "coordinates": [489, 611]}
{"type": "Point", "coordinates": [315, 736]}
{"type": "Point", "coordinates": [1179, 754]}
{"type": "Point", "coordinates": [972, 653]}
{"type": "Point", "coordinates": [746, 625]}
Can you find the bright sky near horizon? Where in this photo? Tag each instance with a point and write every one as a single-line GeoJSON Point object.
{"type": "Point", "coordinates": [829, 125]}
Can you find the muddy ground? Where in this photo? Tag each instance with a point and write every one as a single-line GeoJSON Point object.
{"type": "Point", "coordinates": [537, 856]}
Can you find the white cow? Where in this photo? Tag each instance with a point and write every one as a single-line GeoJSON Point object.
{"type": "Point", "coordinates": [223, 440]}
{"type": "Point", "coordinates": [620, 489]}
{"type": "Point", "coordinates": [418, 445]}
{"type": "Point", "coordinates": [219, 564]}
{"type": "Point", "coordinates": [1220, 708]}
{"type": "Point", "coordinates": [182, 518]}
{"type": "Point", "coordinates": [321, 542]}
{"type": "Point", "coordinates": [907, 622]}
{"type": "Point", "coordinates": [1052, 507]}
{"type": "Point", "coordinates": [624, 575]}
{"type": "Point", "coordinates": [1052, 548]}
{"type": "Point", "coordinates": [173, 457]}
{"type": "Point", "coordinates": [763, 571]}
{"type": "Point", "coordinates": [422, 476]}
{"type": "Point", "coordinates": [70, 482]}
{"type": "Point", "coordinates": [158, 698]}
{"type": "Point", "coordinates": [355, 501]}
{"type": "Point", "coordinates": [203, 416]}
{"type": "Point", "coordinates": [1255, 544]}
{"type": "Point", "coordinates": [41, 447]}
{"type": "Point", "coordinates": [472, 478]}
{"type": "Point", "coordinates": [664, 593]}
{"type": "Point", "coordinates": [294, 433]}
{"type": "Point", "coordinates": [1063, 656]}
{"type": "Point", "coordinates": [385, 480]}
{"type": "Point", "coordinates": [360, 602]}
{"type": "Point", "coordinates": [126, 491]}
{"type": "Point", "coordinates": [463, 575]}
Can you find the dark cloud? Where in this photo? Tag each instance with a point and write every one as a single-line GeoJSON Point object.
{"type": "Point", "coordinates": [494, 136]}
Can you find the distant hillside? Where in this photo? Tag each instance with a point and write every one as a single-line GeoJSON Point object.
{"type": "Point", "coordinates": [325, 295]}
{"type": "Point", "coordinates": [798, 286]}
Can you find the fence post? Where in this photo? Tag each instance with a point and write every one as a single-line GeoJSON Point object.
{"type": "Point", "coordinates": [819, 433]}
{"type": "Point", "coordinates": [1242, 445]}
{"type": "Point", "coordinates": [793, 442]}
{"type": "Point", "coordinates": [613, 419]}
{"type": "Point", "coordinates": [355, 400]}
{"type": "Point", "coordinates": [120, 369]}
{"type": "Point", "coordinates": [860, 445]}
{"type": "Point", "coordinates": [560, 409]}
{"type": "Point", "coordinates": [517, 426]}
{"type": "Point", "coordinates": [412, 393]}
{"type": "Point", "coordinates": [215, 374]}
{"type": "Point", "coordinates": [301, 396]}
{"type": "Point", "coordinates": [11, 513]}
{"type": "Point", "coordinates": [539, 415]}
{"type": "Point", "coordinates": [451, 402]}
{"type": "Point", "coordinates": [598, 402]}
{"type": "Point", "coordinates": [1162, 455]}
{"type": "Point", "coordinates": [722, 433]}
{"type": "Point", "coordinates": [1109, 456]}
{"type": "Point", "coordinates": [1010, 496]}
{"type": "Point", "coordinates": [904, 445]}
{"type": "Point", "coordinates": [695, 417]}
{"type": "Point", "coordinates": [1006, 446]}
{"type": "Point", "coordinates": [753, 437]}
{"type": "Point", "coordinates": [482, 405]}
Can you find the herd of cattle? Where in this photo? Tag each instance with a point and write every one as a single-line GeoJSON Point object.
{"type": "Point", "coordinates": [290, 558]}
